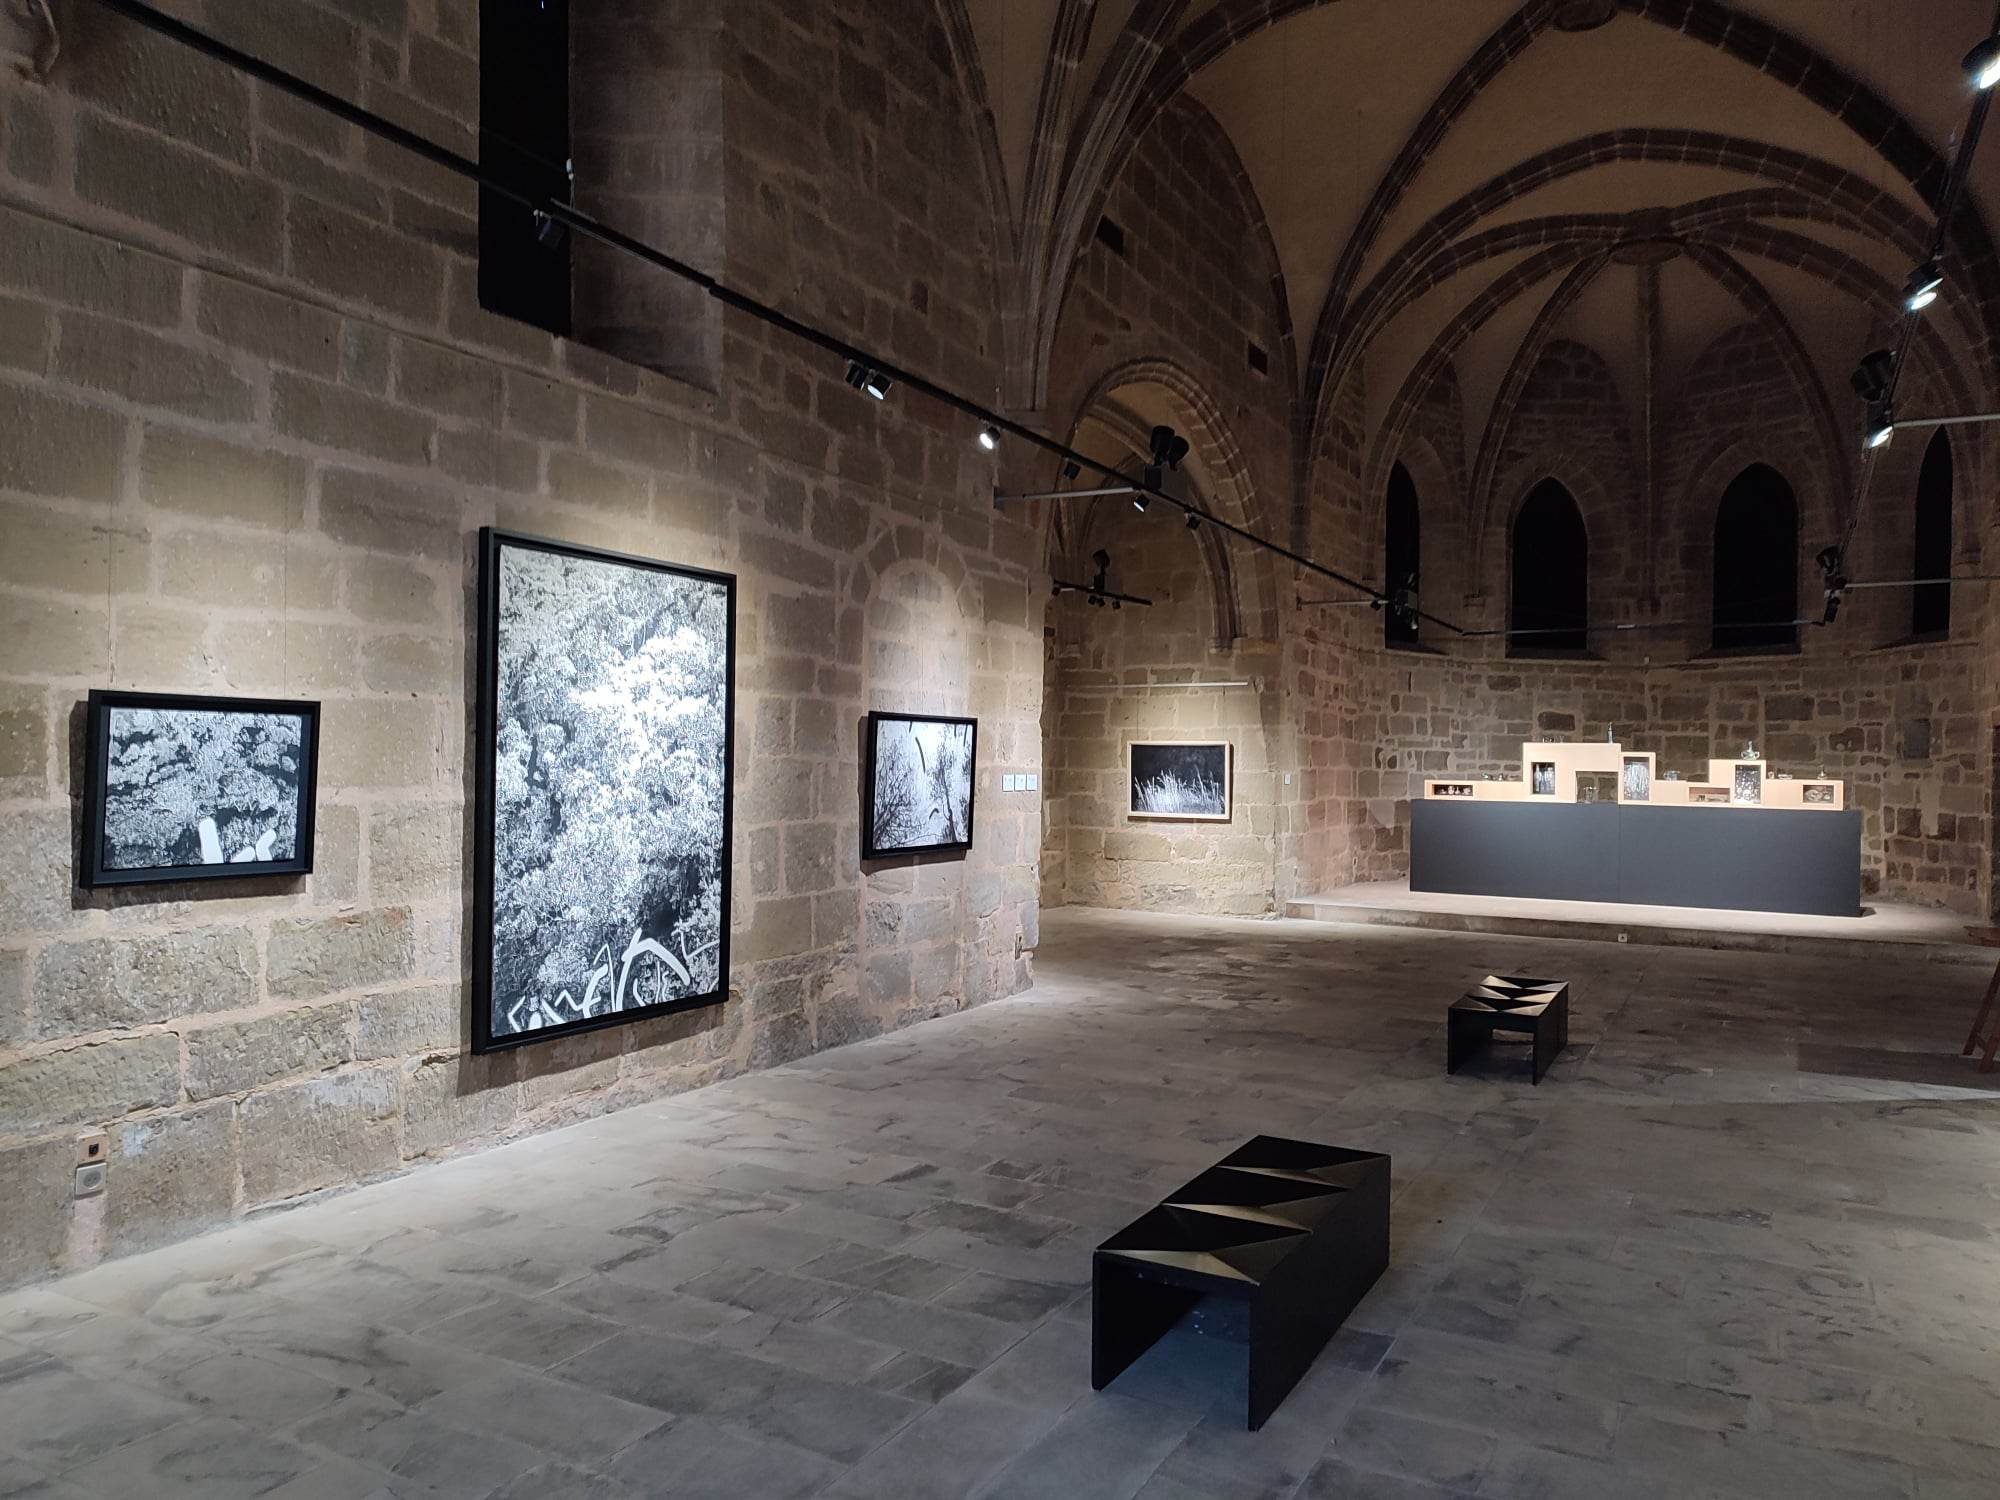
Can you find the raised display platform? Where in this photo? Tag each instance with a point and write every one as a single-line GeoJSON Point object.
{"type": "Point", "coordinates": [1720, 858]}
{"type": "Point", "coordinates": [1933, 936]}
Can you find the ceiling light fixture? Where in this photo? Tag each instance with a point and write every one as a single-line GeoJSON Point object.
{"type": "Point", "coordinates": [1921, 290]}
{"type": "Point", "coordinates": [874, 382]}
{"type": "Point", "coordinates": [989, 437]}
{"type": "Point", "coordinates": [1872, 377]}
{"type": "Point", "coordinates": [1982, 64]}
{"type": "Point", "coordinates": [1881, 423]}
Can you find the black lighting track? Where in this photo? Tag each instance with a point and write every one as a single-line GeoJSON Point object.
{"type": "Point", "coordinates": [1947, 208]}
{"type": "Point", "coordinates": [583, 224]}
{"type": "Point", "coordinates": [1649, 627]}
{"type": "Point", "coordinates": [1098, 596]}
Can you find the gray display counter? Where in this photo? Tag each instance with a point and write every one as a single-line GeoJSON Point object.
{"type": "Point", "coordinates": [1725, 858]}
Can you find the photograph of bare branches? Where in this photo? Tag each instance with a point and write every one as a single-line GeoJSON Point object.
{"type": "Point", "coordinates": [1180, 779]}
{"type": "Point", "coordinates": [920, 785]}
{"type": "Point", "coordinates": [602, 888]}
{"type": "Point", "coordinates": [186, 788]}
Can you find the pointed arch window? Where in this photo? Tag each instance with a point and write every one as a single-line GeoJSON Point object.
{"type": "Point", "coordinates": [1930, 606]}
{"type": "Point", "coordinates": [1402, 554]}
{"type": "Point", "coordinates": [1548, 607]}
{"type": "Point", "coordinates": [1756, 598]}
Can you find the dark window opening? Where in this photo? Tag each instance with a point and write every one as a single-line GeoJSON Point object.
{"type": "Point", "coordinates": [1548, 608]}
{"type": "Point", "coordinates": [1111, 237]}
{"type": "Point", "coordinates": [1930, 606]}
{"type": "Point", "coordinates": [1402, 554]}
{"type": "Point", "coordinates": [1259, 360]}
{"type": "Point", "coordinates": [524, 137]}
{"type": "Point", "coordinates": [1756, 563]}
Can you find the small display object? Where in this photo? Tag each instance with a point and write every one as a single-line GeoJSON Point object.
{"type": "Point", "coordinates": [603, 752]}
{"type": "Point", "coordinates": [1186, 780]}
{"type": "Point", "coordinates": [1746, 787]}
{"type": "Point", "coordinates": [921, 776]}
{"type": "Point", "coordinates": [1597, 786]}
{"type": "Point", "coordinates": [1570, 771]}
{"type": "Point", "coordinates": [197, 788]}
{"type": "Point", "coordinates": [1635, 782]}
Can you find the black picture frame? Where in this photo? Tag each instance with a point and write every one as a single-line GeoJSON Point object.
{"type": "Point", "coordinates": [493, 544]}
{"type": "Point", "coordinates": [95, 872]}
{"type": "Point", "coordinates": [872, 741]}
{"type": "Point", "coordinates": [1213, 761]}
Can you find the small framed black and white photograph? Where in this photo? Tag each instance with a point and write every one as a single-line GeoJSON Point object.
{"type": "Point", "coordinates": [1184, 780]}
{"type": "Point", "coordinates": [180, 787]}
{"type": "Point", "coordinates": [921, 776]}
{"type": "Point", "coordinates": [605, 729]}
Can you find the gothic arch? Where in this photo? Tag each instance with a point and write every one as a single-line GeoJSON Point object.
{"type": "Point", "coordinates": [1244, 586]}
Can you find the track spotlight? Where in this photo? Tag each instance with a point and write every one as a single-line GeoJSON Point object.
{"type": "Point", "coordinates": [989, 437]}
{"type": "Point", "coordinates": [1881, 424]}
{"type": "Point", "coordinates": [1921, 290]}
{"type": "Point", "coordinates": [1872, 376]}
{"type": "Point", "coordinates": [1194, 520]}
{"type": "Point", "coordinates": [1169, 447]}
{"type": "Point", "coordinates": [1829, 561]}
{"type": "Point", "coordinates": [549, 232]}
{"type": "Point", "coordinates": [1097, 601]}
{"type": "Point", "coordinates": [1071, 470]}
{"type": "Point", "coordinates": [874, 382]}
{"type": "Point", "coordinates": [1056, 592]}
{"type": "Point", "coordinates": [1140, 501]}
{"type": "Point", "coordinates": [1982, 64]}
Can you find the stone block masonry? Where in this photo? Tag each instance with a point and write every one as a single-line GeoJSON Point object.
{"type": "Point", "coordinates": [251, 419]}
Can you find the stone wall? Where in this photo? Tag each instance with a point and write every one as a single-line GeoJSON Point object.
{"type": "Point", "coordinates": [1116, 676]}
{"type": "Point", "coordinates": [251, 418]}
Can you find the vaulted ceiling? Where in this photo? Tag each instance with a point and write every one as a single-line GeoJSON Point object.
{"type": "Point", "coordinates": [1540, 164]}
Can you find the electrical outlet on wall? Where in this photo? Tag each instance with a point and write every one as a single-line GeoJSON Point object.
{"type": "Point", "coordinates": [89, 1181]}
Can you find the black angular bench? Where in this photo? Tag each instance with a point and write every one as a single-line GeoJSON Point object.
{"type": "Point", "coordinates": [1285, 1235]}
{"type": "Point", "coordinates": [1512, 1003]}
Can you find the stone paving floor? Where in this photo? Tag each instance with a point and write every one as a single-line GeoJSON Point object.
{"type": "Point", "coordinates": [1743, 1241]}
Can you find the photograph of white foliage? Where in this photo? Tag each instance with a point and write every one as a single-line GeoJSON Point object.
{"type": "Point", "coordinates": [193, 788]}
{"type": "Point", "coordinates": [921, 775]}
{"type": "Point", "coordinates": [607, 705]}
{"type": "Point", "coordinates": [1180, 779]}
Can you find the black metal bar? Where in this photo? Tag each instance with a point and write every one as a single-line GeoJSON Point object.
{"type": "Point", "coordinates": [1648, 628]}
{"type": "Point", "coordinates": [1063, 587]}
{"type": "Point", "coordinates": [1922, 583]}
{"type": "Point", "coordinates": [581, 223]}
{"type": "Point", "coordinates": [1978, 416]}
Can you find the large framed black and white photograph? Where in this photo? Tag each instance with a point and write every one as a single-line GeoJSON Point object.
{"type": "Point", "coordinates": [604, 740]}
{"type": "Point", "coordinates": [1186, 780]}
{"type": "Point", "coordinates": [180, 787]}
{"type": "Point", "coordinates": [921, 775]}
